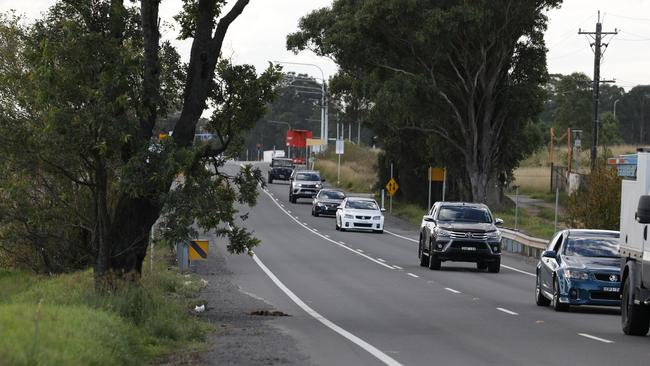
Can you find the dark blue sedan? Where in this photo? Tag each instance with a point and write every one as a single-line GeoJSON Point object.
{"type": "Point", "coordinates": [579, 267]}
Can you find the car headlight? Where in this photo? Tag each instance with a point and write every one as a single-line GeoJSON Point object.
{"type": "Point", "coordinates": [318, 185]}
{"type": "Point", "coordinates": [442, 232]}
{"type": "Point", "coordinates": [299, 184]}
{"type": "Point", "coordinates": [320, 204]}
{"type": "Point", "coordinates": [376, 217]}
{"type": "Point", "coordinates": [576, 275]}
{"type": "Point", "coordinates": [348, 216]}
{"type": "Point", "coordinates": [494, 235]}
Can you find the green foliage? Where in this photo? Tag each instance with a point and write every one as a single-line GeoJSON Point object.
{"type": "Point", "coordinates": [358, 168]}
{"type": "Point", "coordinates": [61, 321]}
{"type": "Point", "coordinates": [597, 204]}
{"type": "Point", "coordinates": [442, 76]}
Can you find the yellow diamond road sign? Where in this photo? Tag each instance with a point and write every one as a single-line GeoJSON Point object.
{"type": "Point", "coordinates": [392, 187]}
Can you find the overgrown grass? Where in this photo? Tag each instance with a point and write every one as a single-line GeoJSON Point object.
{"type": "Point", "coordinates": [60, 320]}
{"type": "Point", "coordinates": [408, 211]}
{"type": "Point", "coordinates": [541, 225]}
{"type": "Point", "coordinates": [358, 168]}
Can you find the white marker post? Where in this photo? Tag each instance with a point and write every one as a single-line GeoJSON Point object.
{"type": "Point", "coordinates": [391, 196]}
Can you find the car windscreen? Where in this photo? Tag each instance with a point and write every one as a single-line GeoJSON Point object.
{"type": "Point", "coordinates": [282, 163]}
{"type": "Point", "coordinates": [331, 195]}
{"type": "Point", "coordinates": [362, 205]}
{"type": "Point", "coordinates": [466, 214]}
{"type": "Point", "coordinates": [308, 176]}
{"type": "Point", "coordinates": [592, 247]}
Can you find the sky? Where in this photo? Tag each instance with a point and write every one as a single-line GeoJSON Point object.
{"type": "Point", "coordinates": [259, 35]}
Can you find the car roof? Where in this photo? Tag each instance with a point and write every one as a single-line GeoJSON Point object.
{"type": "Point", "coordinates": [463, 204]}
{"type": "Point", "coordinates": [592, 233]}
{"type": "Point", "coordinates": [331, 190]}
{"type": "Point", "coordinates": [308, 171]}
{"type": "Point", "coordinates": [360, 199]}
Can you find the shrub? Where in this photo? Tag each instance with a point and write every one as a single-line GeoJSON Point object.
{"type": "Point", "coordinates": [597, 204]}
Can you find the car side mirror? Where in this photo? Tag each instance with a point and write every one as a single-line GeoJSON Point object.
{"type": "Point", "coordinates": [643, 210]}
{"type": "Point", "coordinates": [382, 209]}
{"type": "Point", "coordinates": [427, 218]}
{"type": "Point", "coordinates": [549, 254]}
{"type": "Point", "coordinates": [498, 221]}
{"type": "Point", "coordinates": [322, 180]}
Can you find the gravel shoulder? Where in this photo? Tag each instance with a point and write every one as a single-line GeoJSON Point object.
{"type": "Point", "coordinates": [240, 338]}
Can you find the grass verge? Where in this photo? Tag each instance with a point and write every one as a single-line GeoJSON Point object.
{"type": "Point", "coordinates": [60, 320]}
{"type": "Point", "coordinates": [358, 168]}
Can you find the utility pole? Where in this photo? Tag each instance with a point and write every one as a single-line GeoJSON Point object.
{"type": "Point", "coordinates": [598, 51]}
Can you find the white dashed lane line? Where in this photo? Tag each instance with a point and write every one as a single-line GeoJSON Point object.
{"type": "Point", "coordinates": [595, 338]}
{"type": "Point", "coordinates": [507, 311]}
{"type": "Point", "coordinates": [381, 260]}
{"type": "Point", "coordinates": [452, 290]}
{"type": "Point", "coordinates": [413, 275]}
{"type": "Point", "coordinates": [398, 267]}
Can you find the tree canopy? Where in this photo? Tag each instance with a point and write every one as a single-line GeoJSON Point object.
{"type": "Point", "coordinates": [468, 73]}
{"type": "Point", "coordinates": [81, 93]}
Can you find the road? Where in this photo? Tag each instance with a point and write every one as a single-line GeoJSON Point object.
{"type": "Point", "coordinates": [362, 299]}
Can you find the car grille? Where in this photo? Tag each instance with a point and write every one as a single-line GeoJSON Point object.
{"type": "Point", "coordinates": [308, 186]}
{"type": "Point", "coordinates": [468, 235]}
{"type": "Point", "coordinates": [603, 295]}
{"type": "Point", "coordinates": [362, 217]}
{"type": "Point", "coordinates": [465, 244]}
{"type": "Point", "coordinates": [357, 224]}
{"type": "Point", "coordinates": [333, 205]}
{"type": "Point", "coordinates": [605, 277]}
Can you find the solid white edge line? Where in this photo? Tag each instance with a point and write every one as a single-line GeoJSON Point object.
{"type": "Point", "coordinates": [595, 338]}
{"type": "Point", "coordinates": [452, 290]}
{"type": "Point", "coordinates": [518, 270]}
{"type": "Point", "coordinates": [507, 311]}
{"type": "Point", "coordinates": [349, 336]}
{"type": "Point", "coordinates": [326, 238]}
{"type": "Point", "coordinates": [413, 275]}
{"type": "Point", "coordinates": [400, 236]}
{"type": "Point", "coordinates": [503, 265]}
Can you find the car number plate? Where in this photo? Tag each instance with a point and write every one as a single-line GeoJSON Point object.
{"type": "Point", "coordinates": [468, 248]}
{"type": "Point", "coordinates": [610, 289]}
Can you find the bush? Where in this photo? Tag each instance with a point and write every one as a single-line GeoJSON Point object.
{"type": "Point", "coordinates": [597, 204]}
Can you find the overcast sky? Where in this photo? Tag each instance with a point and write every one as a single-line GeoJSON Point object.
{"type": "Point", "coordinates": [259, 35]}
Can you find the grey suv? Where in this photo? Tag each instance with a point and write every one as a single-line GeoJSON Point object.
{"type": "Point", "coordinates": [462, 232]}
{"type": "Point", "coordinates": [304, 184]}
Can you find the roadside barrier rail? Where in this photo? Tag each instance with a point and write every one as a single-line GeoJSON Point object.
{"type": "Point", "coordinates": [518, 242]}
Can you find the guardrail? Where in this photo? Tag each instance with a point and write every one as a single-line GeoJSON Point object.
{"type": "Point", "coordinates": [518, 242]}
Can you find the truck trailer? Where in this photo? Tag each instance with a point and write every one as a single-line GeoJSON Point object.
{"type": "Point", "coordinates": [634, 246]}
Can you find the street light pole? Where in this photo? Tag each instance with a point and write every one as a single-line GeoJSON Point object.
{"type": "Point", "coordinates": [616, 101]}
{"type": "Point", "coordinates": [324, 112]}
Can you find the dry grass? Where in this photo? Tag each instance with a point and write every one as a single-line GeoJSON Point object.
{"type": "Point", "coordinates": [358, 168]}
{"type": "Point", "coordinates": [533, 178]}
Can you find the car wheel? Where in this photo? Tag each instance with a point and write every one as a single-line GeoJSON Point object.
{"type": "Point", "coordinates": [424, 260]}
{"type": "Point", "coordinates": [316, 213]}
{"type": "Point", "coordinates": [434, 262]}
{"type": "Point", "coordinates": [494, 267]}
{"type": "Point", "coordinates": [555, 303]}
{"type": "Point", "coordinates": [635, 319]}
{"type": "Point", "coordinates": [481, 266]}
{"type": "Point", "coordinates": [540, 299]}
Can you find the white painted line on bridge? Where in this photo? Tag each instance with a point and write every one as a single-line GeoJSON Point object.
{"type": "Point", "coordinates": [452, 290]}
{"type": "Point", "coordinates": [413, 275]}
{"type": "Point", "coordinates": [326, 322]}
{"type": "Point", "coordinates": [330, 240]}
{"type": "Point", "coordinates": [507, 311]}
{"type": "Point", "coordinates": [595, 338]}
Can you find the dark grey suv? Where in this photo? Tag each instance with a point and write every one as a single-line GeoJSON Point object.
{"type": "Point", "coordinates": [461, 232]}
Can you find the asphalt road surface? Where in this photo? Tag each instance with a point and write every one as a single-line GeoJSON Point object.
{"type": "Point", "coordinates": [362, 299]}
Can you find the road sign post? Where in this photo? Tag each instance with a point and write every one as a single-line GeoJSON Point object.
{"type": "Point", "coordinates": [340, 147]}
{"type": "Point", "coordinates": [391, 188]}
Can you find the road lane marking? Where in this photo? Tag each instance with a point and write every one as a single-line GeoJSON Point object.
{"type": "Point", "coordinates": [400, 236]}
{"type": "Point", "coordinates": [330, 240]}
{"type": "Point", "coordinates": [289, 211]}
{"type": "Point", "coordinates": [304, 223]}
{"type": "Point", "coordinates": [342, 242]}
{"type": "Point", "coordinates": [326, 322]}
{"type": "Point", "coordinates": [452, 290]}
{"type": "Point", "coordinates": [518, 270]}
{"type": "Point", "coordinates": [327, 236]}
{"type": "Point", "coordinates": [381, 260]}
{"type": "Point", "coordinates": [595, 338]}
{"type": "Point", "coordinates": [398, 267]}
{"type": "Point", "coordinates": [413, 275]}
{"type": "Point", "coordinates": [360, 251]}
{"type": "Point", "coordinates": [507, 311]}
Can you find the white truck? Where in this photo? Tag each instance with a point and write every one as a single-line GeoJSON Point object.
{"type": "Point", "coordinates": [634, 244]}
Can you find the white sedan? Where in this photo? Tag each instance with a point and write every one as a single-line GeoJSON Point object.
{"type": "Point", "coordinates": [356, 213]}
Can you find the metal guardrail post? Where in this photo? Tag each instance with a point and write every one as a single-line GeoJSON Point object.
{"type": "Point", "coordinates": [183, 256]}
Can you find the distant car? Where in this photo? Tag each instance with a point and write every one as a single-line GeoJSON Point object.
{"type": "Point", "coordinates": [327, 202]}
{"type": "Point", "coordinates": [579, 267]}
{"type": "Point", "coordinates": [357, 213]}
{"type": "Point", "coordinates": [304, 184]}
{"type": "Point", "coordinates": [461, 232]}
{"type": "Point", "coordinates": [280, 169]}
